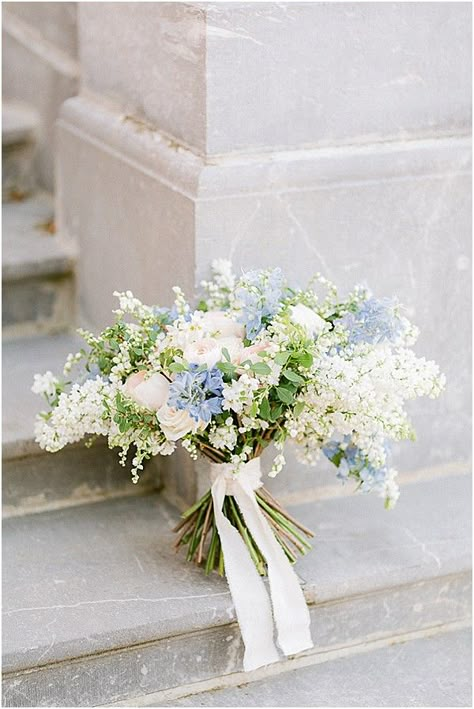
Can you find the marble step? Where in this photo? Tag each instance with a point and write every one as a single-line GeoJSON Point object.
{"type": "Point", "coordinates": [20, 130]}
{"type": "Point", "coordinates": [32, 479]}
{"type": "Point", "coordinates": [99, 609]}
{"type": "Point", "coordinates": [37, 270]}
{"type": "Point", "coordinates": [427, 671]}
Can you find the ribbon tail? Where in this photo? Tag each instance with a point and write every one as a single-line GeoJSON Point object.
{"type": "Point", "coordinates": [247, 589]}
{"type": "Point", "coordinates": [289, 605]}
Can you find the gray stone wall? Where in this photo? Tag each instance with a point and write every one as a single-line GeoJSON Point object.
{"type": "Point", "coordinates": [313, 136]}
{"type": "Point", "coordinates": [40, 66]}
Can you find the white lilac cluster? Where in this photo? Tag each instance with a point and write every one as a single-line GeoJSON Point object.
{"type": "Point", "coordinates": [78, 413]}
{"type": "Point", "coordinates": [45, 384]}
{"type": "Point", "coordinates": [256, 362]}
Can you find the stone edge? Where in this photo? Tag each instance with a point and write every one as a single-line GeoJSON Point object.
{"type": "Point", "coordinates": [202, 178]}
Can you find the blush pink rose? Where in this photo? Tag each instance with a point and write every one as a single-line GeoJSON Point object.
{"type": "Point", "coordinates": [149, 392]}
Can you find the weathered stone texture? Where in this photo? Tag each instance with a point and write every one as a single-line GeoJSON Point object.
{"type": "Point", "coordinates": [90, 583]}
{"type": "Point", "coordinates": [224, 77]}
{"type": "Point", "coordinates": [40, 67]}
{"type": "Point", "coordinates": [159, 72]}
{"type": "Point", "coordinates": [433, 671]}
{"type": "Point", "coordinates": [326, 73]}
{"type": "Point", "coordinates": [37, 270]}
{"type": "Point", "coordinates": [104, 215]}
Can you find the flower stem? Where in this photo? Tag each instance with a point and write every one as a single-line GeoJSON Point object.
{"type": "Point", "coordinates": [199, 521]}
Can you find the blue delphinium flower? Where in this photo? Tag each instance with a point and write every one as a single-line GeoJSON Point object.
{"type": "Point", "coordinates": [375, 321]}
{"type": "Point", "coordinates": [198, 391]}
{"type": "Point", "coordinates": [168, 315]}
{"type": "Point", "coordinates": [259, 294]}
{"type": "Point", "coordinates": [350, 460]}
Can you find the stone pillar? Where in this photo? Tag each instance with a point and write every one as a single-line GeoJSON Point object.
{"type": "Point", "coordinates": [328, 137]}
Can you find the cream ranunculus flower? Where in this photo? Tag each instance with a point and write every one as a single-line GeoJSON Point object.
{"type": "Point", "coordinates": [311, 321]}
{"type": "Point", "coordinates": [219, 324]}
{"type": "Point", "coordinates": [176, 423]}
{"type": "Point", "coordinates": [207, 351]}
{"type": "Point", "coordinates": [150, 392]}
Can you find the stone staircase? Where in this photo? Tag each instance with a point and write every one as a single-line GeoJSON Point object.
{"type": "Point", "coordinates": [98, 610]}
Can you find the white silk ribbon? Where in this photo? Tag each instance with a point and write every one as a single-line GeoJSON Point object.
{"type": "Point", "coordinates": [251, 601]}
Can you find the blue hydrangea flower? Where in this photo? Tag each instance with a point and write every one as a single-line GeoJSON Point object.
{"type": "Point", "coordinates": [197, 391]}
{"type": "Point", "coordinates": [259, 294]}
{"type": "Point", "coordinates": [376, 320]}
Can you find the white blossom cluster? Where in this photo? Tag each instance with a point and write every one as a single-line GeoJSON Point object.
{"type": "Point", "coordinates": [225, 436]}
{"type": "Point", "coordinates": [220, 289]}
{"type": "Point", "coordinates": [78, 414]}
{"type": "Point", "coordinates": [45, 384]}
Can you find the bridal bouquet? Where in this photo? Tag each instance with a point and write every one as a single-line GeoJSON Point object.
{"type": "Point", "coordinates": [256, 362]}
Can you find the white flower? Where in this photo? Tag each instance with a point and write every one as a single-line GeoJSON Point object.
{"type": "Point", "coordinates": [307, 318]}
{"type": "Point", "coordinates": [239, 394]}
{"type": "Point", "coordinates": [277, 466]}
{"type": "Point", "coordinates": [206, 351]}
{"type": "Point", "coordinates": [45, 384]}
{"type": "Point", "coordinates": [218, 324]}
{"type": "Point", "coordinates": [225, 436]}
{"type": "Point", "coordinates": [151, 392]}
{"type": "Point", "coordinates": [176, 423]}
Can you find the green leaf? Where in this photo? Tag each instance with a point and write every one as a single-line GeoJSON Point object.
{"type": "Point", "coordinates": [293, 376]}
{"type": "Point", "coordinates": [276, 412]}
{"type": "Point", "coordinates": [254, 409]}
{"type": "Point", "coordinates": [265, 410]}
{"type": "Point", "coordinates": [284, 395]}
{"type": "Point", "coordinates": [225, 354]}
{"type": "Point", "coordinates": [336, 459]}
{"type": "Point", "coordinates": [260, 368]}
{"type": "Point", "coordinates": [226, 368]}
{"type": "Point", "coordinates": [177, 367]}
{"type": "Point", "coordinates": [305, 359]}
{"type": "Point", "coordinates": [282, 357]}
{"type": "Point", "coordinates": [299, 406]}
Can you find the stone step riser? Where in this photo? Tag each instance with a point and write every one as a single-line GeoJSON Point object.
{"type": "Point", "coordinates": [193, 657]}
{"type": "Point", "coordinates": [74, 476]}
{"type": "Point", "coordinates": [357, 678]}
{"type": "Point", "coordinates": [37, 270]}
{"type": "Point", "coordinates": [18, 170]}
{"type": "Point", "coordinates": [38, 305]}
{"type": "Point", "coordinates": [20, 130]}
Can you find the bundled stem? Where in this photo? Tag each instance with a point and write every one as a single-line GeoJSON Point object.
{"type": "Point", "coordinates": [198, 532]}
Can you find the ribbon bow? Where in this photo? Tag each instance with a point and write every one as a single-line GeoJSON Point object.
{"type": "Point", "coordinates": [252, 604]}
